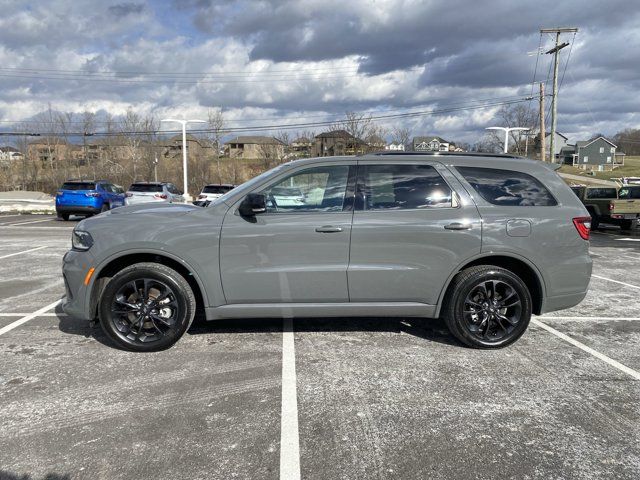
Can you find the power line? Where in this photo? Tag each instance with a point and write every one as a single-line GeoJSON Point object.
{"type": "Point", "coordinates": [273, 127]}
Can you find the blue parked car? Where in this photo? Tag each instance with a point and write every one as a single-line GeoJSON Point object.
{"type": "Point", "coordinates": [87, 198]}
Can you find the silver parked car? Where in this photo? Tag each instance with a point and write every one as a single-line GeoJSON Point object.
{"type": "Point", "coordinates": [210, 192]}
{"type": "Point", "coordinates": [146, 192]}
{"type": "Point", "coordinates": [482, 241]}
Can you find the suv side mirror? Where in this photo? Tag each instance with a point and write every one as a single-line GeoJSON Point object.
{"type": "Point", "coordinates": [253, 204]}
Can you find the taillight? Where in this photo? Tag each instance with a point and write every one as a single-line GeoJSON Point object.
{"type": "Point", "coordinates": [128, 194]}
{"type": "Point", "coordinates": [611, 206]}
{"type": "Point", "coordinates": [162, 196]}
{"type": "Point", "coordinates": [94, 194]}
{"type": "Point", "coordinates": [583, 226]}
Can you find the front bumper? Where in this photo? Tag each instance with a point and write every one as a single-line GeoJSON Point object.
{"type": "Point", "coordinates": [75, 266]}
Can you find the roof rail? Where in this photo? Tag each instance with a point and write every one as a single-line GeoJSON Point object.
{"type": "Point", "coordinates": [450, 154]}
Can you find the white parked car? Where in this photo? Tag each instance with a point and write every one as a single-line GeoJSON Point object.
{"type": "Point", "coordinates": [211, 192]}
{"type": "Point", "coordinates": [145, 192]}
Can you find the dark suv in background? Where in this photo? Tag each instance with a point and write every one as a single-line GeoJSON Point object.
{"type": "Point", "coordinates": [80, 197]}
{"type": "Point", "coordinates": [482, 241]}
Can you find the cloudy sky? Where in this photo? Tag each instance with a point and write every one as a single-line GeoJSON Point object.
{"type": "Point", "coordinates": [275, 62]}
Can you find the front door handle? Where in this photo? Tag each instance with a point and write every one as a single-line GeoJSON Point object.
{"type": "Point", "coordinates": [328, 229]}
{"type": "Point", "coordinates": [458, 226]}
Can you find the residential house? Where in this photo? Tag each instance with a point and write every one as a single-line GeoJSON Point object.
{"type": "Point", "coordinates": [560, 142]}
{"type": "Point", "coordinates": [338, 142]}
{"type": "Point", "coordinates": [376, 143]}
{"type": "Point", "coordinates": [196, 147]}
{"type": "Point", "coordinates": [10, 154]}
{"type": "Point", "coordinates": [432, 144]}
{"type": "Point", "coordinates": [301, 147]}
{"type": "Point", "coordinates": [395, 146]}
{"type": "Point", "coordinates": [255, 147]}
{"type": "Point", "coordinates": [596, 154]}
{"type": "Point", "coordinates": [50, 150]}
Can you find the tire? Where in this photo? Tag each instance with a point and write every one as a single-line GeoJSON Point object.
{"type": "Point", "coordinates": [484, 324]}
{"type": "Point", "coordinates": [595, 222]}
{"type": "Point", "coordinates": [104, 208]}
{"type": "Point", "coordinates": [627, 224]}
{"type": "Point", "coordinates": [146, 326]}
{"type": "Point", "coordinates": [63, 216]}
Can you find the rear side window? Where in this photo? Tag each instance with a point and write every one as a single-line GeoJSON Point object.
{"type": "Point", "coordinates": [79, 186]}
{"type": "Point", "coordinates": [507, 187]}
{"type": "Point", "coordinates": [144, 187]}
{"type": "Point", "coordinates": [602, 193]}
{"type": "Point", "coordinates": [397, 187]}
{"type": "Point", "coordinates": [629, 193]}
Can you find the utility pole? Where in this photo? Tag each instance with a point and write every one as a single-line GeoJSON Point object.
{"type": "Point", "coordinates": [554, 98]}
{"type": "Point", "coordinates": [543, 130]}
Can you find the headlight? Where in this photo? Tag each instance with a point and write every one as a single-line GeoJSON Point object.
{"type": "Point", "coordinates": [81, 240]}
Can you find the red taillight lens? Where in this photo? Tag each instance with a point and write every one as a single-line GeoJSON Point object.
{"type": "Point", "coordinates": [162, 196]}
{"type": "Point", "coordinates": [583, 226]}
{"type": "Point", "coordinates": [128, 194]}
{"type": "Point", "coordinates": [611, 206]}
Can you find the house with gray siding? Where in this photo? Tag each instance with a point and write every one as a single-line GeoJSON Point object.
{"type": "Point", "coordinates": [596, 154]}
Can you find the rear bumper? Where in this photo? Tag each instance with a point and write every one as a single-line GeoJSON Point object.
{"type": "Point", "coordinates": [560, 302]}
{"type": "Point", "coordinates": [82, 209]}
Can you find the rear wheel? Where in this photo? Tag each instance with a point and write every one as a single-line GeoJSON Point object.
{"type": "Point", "coordinates": [105, 207]}
{"type": "Point", "coordinates": [487, 307]}
{"type": "Point", "coordinates": [63, 216]}
{"type": "Point", "coordinates": [627, 224]}
{"type": "Point", "coordinates": [595, 222]}
{"type": "Point", "coordinates": [146, 307]}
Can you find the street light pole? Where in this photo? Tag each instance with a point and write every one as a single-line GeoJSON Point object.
{"type": "Point", "coordinates": [184, 150]}
{"type": "Point", "coordinates": [506, 134]}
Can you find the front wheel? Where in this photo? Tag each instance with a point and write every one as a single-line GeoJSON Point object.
{"type": "Point", "coordinates": [146, 307]}
{"type": "Point", "coordinates": [487, 307]}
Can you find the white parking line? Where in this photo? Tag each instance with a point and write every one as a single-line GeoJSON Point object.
{"type": "Point", "coordinates": [616, 281]}
{"type": "Point", "coordinates": [21, 314]}
{"type": "Point", "coordinates": [582, 346]}
{"type": "Point", "coordinates": [289, 436]}
{"type": "Point", "coordinates": [31, 221]}
{"type": "Point", "coordinates": [590, 318]}
{"type": "Point", "coordinates": [629, 239]}
{"type": "Point", "coordinates": [31, 316]}
{"type": "Point", "coordinates": [20, 253]}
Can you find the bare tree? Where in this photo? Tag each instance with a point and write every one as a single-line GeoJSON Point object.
{"type": "Point", "coordinates": [401, 135]}
{"type": "Point", "coordinates": [518, 115]}
{"type": "Point", "coordinates": [215, 121]}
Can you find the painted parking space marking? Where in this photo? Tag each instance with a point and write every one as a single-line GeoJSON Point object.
{"type": "Point", "coordinates": [31, 221]}
{"type": "Point", "coordinates": [616, 281]}
{"type": "Point", "coordinates": [628, 239]}
{"type": "Point", "coordinates": [589, 350]}
{"type": "Point", "coordinates": [22, 314]}
{"type": "Point", "coordinates": [31, 316]}
{"type": "Point", "coordinates": [20, 253]}
{"type": "Point", "coordinates": [606, 319]}
{"type": "Point", "coordinates": [289, 435]}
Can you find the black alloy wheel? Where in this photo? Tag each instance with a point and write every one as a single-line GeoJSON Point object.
{"type": "Point", "coordinates": [487, 307]}
{"type": "Point", "coordinates": [146, 307]}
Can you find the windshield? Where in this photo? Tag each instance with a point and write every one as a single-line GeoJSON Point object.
{"type": "Point", "coordinates": [249, 184]}
{"type": "Point", "coordinates": [145, 187]}
{"type": "Point", "coordinates": [79, 186]}
{"type": "Point", "coordinates": [219, 189]}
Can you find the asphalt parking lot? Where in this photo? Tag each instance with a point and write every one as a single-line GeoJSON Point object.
{"type": "Point", "coordinates": [375, 398]}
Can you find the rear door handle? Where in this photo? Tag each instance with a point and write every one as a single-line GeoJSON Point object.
{"type": "Point", "coordinates": [458, 226]}
{"type": "Point", "coordinates": [328, 229]}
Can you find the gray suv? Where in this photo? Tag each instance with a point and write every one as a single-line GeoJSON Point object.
{"type": "Point", "coordinates": [482, 241]}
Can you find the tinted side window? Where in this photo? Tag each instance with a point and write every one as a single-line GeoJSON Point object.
{"type": "Point", "coordinates": [395, 187]}
{"type": "Point", "coordinates": [507, 187]}
{"type": "Point", "coordinates": [602, 193]}
{"type": "Point", "coordinates": [629, 193]}
{"type": "Point", "coordinates": [320, 189]}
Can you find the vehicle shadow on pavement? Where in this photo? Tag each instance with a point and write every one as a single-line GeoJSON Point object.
{"type": "Point", "coordinates": [5, 475]}
{"type": "Point", "coordinates": [428, 329]}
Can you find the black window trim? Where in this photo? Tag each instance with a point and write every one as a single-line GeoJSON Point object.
{"type": "Point", "coordinates": [359, 197]}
